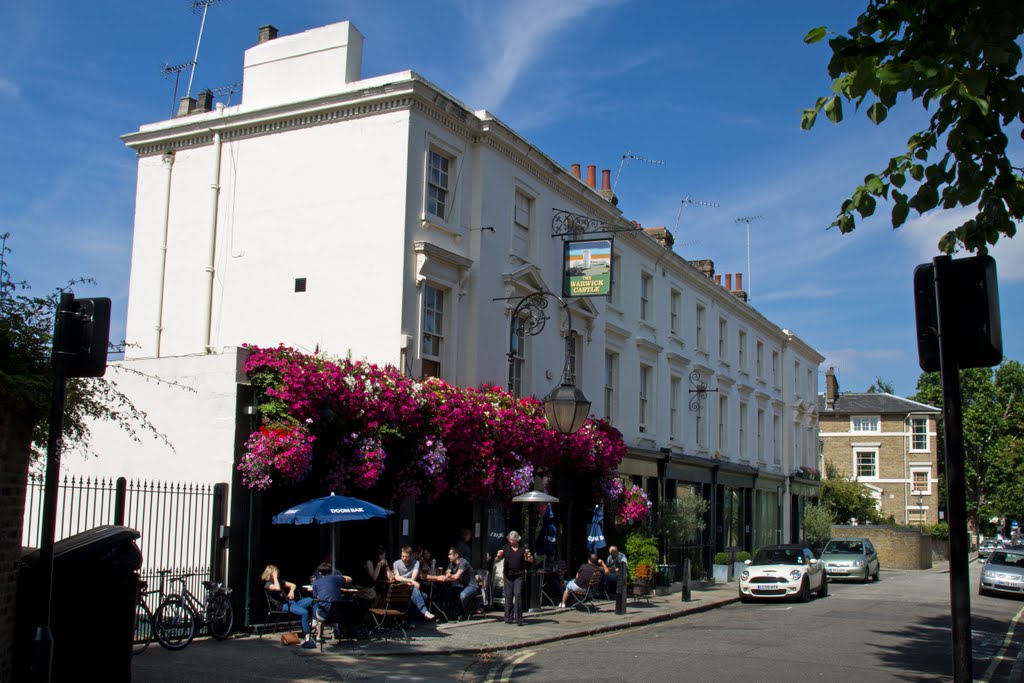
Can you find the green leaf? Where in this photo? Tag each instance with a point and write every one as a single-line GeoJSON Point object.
{"type": "Point", "coordinates": [874, 184]}
{"type": "Point", "coordinates": [877, 113]}
{"type": "Point", "coordinates": [900, 209]}
{"type": "Point", "coordinates": [897, 180]}
{"type": "Point", "coordinates": [815, 34]}
{"type": "Point", "coordinates": [808, 118]}
{"type": "Point", "coordinates": [917, 172]}
{"type": "Point", "coordinates": [834, 109]}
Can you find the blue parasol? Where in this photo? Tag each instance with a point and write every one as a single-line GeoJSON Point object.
{"type": "Point", "coordinates": [595, 537]}
{"type": "Point", "coordinates": [331, 509]}
{"type": "Point", "coordinates": [548, 532]}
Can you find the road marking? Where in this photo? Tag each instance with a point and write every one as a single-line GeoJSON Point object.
{"type": "Point", "coordinates": [504, 674]}
{"type": "Point", "coordinates": [999, 656]}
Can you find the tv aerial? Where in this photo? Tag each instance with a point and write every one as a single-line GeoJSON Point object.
{"type": "Point", "coordinates": [687, 202]}
{"type": "Point", "coordinates": [740, 220]}
{"type": "Point", "coordinates": [629, 156]}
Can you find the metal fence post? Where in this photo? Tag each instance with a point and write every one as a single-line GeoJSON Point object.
{"type": "Point", "coordinates": [218, 532]}
{"type": "Point", "coordinates": [686, 579]}
{"type": "Point", "coordinates": [120, 494]}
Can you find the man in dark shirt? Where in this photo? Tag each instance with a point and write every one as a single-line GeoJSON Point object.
{"type": "Point", "coordinates": [583, 576]}
{"type": "Point", "coordinates": [332, 605]}
{"type": "Point", "coordinates": [462, 582]}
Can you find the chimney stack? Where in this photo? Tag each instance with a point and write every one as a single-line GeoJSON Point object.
{"type": "Point", "coordinates": [592, 176]}
{"type": "Point", "coordinates": [575, 170]}
{"type": "Point", "coordinates": [267, 33]}
{"type": "Point", "coordinates": [831, 389]}
{"type": "Point", "coordinates": [186, 106]}
{"type": "Point", "coordinates": [739, 281]}
{"type": "Point", "coordinates": [606, 179]}
{"type": "Point", "coordinates": [204, 101]}
{"type": "Point", "coordinates": [728, 281]}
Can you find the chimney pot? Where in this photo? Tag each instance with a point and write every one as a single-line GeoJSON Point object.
{"type": "Point", "coordinates": [831, 389]}
{"type": "Point", "coordinates": [606, 179]}
{"type": "Point", "coordinates": [576, 170]}
{"type": "Point", "coordinates": [186, 106]}
{"type": "Point", "coordinates": [204, 101]}
{"type": "Point", "coordinates": [592, 175]}
{"type": "Point", "coordinates": [739, 281]}
{"type": "Point", "coordinates": [267, 33]}
{"type": "Point", "coordinates": [718, 279]}
{"type": "Point", "coordinates": [728, 281]}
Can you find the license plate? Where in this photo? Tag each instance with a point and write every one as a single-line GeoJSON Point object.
{"type": "Point", "coordinates": [837, 570]}
{"type": "Point", "coordinates": [1001, 584]}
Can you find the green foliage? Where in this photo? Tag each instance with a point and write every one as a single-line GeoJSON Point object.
{"type": "Point", "coordinates": [818, 525]}
{"type": "Point", "coordinates": [721, 558]}
{"type": "Point", "coordinates": [847, 501]}
{"type": "Point", "coordinates": [992, 405]}
{"type": "Point", "coordinates": [26, 376]}
{"type": "Point", "coordinates": [938, 531]}
{"type": "Point", "coordinates": [742, 556]}
{"type": "Point", "coordinates": [961, 61]}
{"type": "Point", "coordinates": [882, 386]}
{"type": "Point", "coordinates": [681, 521]}
{"type": "Point", "coordinates": [641, 548]}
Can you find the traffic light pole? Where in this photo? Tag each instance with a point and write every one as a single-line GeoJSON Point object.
{"type": "Point", "coordinates": [956, 492]}
{"type": "Point", "coordinates": [42, 644]}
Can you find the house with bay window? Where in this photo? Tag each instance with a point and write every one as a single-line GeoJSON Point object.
{"type": "Point", "coordinates": [887, 443]}
{"type": "Point", "coordinates": [379, 217]}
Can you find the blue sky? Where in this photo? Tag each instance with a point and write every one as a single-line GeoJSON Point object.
{"type": "Point", "coordinates": [713, 90]}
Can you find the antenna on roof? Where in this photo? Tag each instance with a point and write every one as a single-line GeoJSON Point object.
{"type": "Point", "coordinates": [167, 70]}
{"type": "Point", "coordinates": [629, 156]}
{"type": "Point", "coordinates": [227, 90]}
{"type": "Point", "coordinates": [747, 220]}
{"type": "Point", "coordinates": [195, 5]}
{"type": "Point", "coordinates": [686, 202]}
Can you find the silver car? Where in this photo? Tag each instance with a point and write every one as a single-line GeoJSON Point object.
{"type": "Point", "coordinates": [1003, 572]}
{"type": "Point", "coordinates": [851, 558]}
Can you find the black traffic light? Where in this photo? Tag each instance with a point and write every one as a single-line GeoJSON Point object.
{"type": "Point", "coordinates": [975, 329]}
{"type": "Point", "coordinates": [87, 331]}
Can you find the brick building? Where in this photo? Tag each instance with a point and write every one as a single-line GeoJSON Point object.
{"type": "Point", "coordinates": [887, 443]}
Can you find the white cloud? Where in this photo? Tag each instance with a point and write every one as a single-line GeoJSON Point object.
{"type": "Point", "coordinates": [807, 292]}
{"type": "Point", "coordinates": [516, 38]}
{"type": "Point", "coordinates": [8, 89]}
{"type": "Point", "coordinates": [857, 361]}
{"type": "Point", "coordinates": [922, 234]}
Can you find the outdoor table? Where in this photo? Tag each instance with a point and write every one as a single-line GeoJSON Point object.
{"type": "Point", "coordinates": [435, 594]}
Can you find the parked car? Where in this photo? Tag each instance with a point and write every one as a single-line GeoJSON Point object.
{"type": "Point", "coordinates": [986, 547]}
{"type": "Point", "coordinates": [1003, 572]}
{"type": "Point", "coordinates": [851, 558]}
{"type": "Point", "coordinates": [783, 571]}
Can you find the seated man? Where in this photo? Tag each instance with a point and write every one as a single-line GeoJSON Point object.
{"type": "Point", "coordinates": [610, 567]}
{"type": "Point", "coordinates": [407, 570]}
{"type": "Point", "coordinates": [583, 577]}
{"type": "Point", "coordinates": [463, 586]}
{"type": "Point", "coordinates": [332, 605]}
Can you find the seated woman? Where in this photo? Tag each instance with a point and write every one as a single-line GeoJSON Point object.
{"type": "Point", "coordinates": [282, 597]}
{"type": "Point", "coordinates": [377, 569]}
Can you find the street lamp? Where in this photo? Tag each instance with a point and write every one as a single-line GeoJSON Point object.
{"type": "Point", "coordinates": [565, 407]}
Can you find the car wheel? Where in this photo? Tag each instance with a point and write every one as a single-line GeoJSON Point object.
{"type": "Point", "coordinates": [823, 591]}
{"type": "Point", "coordinates": [982, 591]}
{"type": "Point", "coordinates": [867, 573]}
{"type": "Point", "coordinates": [744, 598]}
{"type": "Point", "coordinates": [878, 572]}
{"type": "Point", "coordinates": [805, 591]}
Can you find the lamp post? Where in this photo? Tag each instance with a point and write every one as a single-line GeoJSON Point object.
{"type": "Point", "coordinates": [565, 406]}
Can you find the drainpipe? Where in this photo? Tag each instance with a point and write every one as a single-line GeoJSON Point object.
{"type": "Point", "coordinates": [168, 161]}
{"type": "Point", "coordinates": [211, 246]}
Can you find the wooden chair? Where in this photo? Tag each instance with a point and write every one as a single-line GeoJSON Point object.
{"type": "Point", "coordinates": [390, 618]}
{"type": "Point", "coordinates": [641, 583]}
{"type": "Point", "coordinates": [340, 618]}
{"type": "Point", "coordinates": [277, 614]}
{"type": "Point", "coordinates": [585, 597]}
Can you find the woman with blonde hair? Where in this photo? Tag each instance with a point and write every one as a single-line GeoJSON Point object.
{"type": "Point", "coordinates": [282, 597]}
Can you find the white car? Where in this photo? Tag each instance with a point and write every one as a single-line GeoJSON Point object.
{"type": "Point", "coordinates": [783, 571]}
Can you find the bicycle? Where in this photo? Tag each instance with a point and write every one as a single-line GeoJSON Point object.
{"type": "Point", "coordinates": [180, 615]}
{"type": "Point", "coordinates": [144, 619]}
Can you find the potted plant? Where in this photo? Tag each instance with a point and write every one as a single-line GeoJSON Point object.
{"type": "Point", "coordinates": [740, 562]}
{"type": "Point", "coordinates": [721, 571]}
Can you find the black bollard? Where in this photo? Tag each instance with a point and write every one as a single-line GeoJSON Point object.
{"type": "Point", "coordinates": [620, 588]}
{"type": "Point", "coordinates": [686, 580]}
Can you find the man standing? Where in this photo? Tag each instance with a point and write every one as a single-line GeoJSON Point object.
{"type": "Point", "coordinates": [611, 569]}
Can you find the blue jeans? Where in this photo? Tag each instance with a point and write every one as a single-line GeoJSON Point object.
{"type": "Point", "coordinates": [299, 608]}
{"type": "Point", "coordinates": [465, 594]}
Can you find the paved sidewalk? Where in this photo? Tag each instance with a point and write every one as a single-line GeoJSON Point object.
{"type": "Point", "coordinates": [251, 658]}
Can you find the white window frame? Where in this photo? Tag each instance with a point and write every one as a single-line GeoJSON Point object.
{"type": "Point", "coordinates": [723, 340]}
{"type": "Point", "coordinates": [743, 431]}
{"type": "Point", "coordinates": [644, 413]}
{"type": "Point", "coordinates": [759, 359]}
{"type": "Point", "coordinates": [522, 223]}
{"type": "Point", "coordinates": [760, 434]}
{"type": "Point", "coordinates": [445, 201]}
{"type": "Point", "coordinates": [811, 388]}
{"type": "Point", "coordinates": [674, 308]}
{"type": "Point", "coordinates": [611, 381]}
{"type": "Point", "coordinates": [861, 424]}
{"type": "Point", "coordinates": [775, 369]}
{"type": "Point", "coordinates": [646, 296]}
{"type": "Point", "coordinates": [517, 368]}
{"type": "Point", "coordinates": [919, 510]}
{"type": "Point", "coordinates": [741, 342]}
{"type": "Point", "coordinates": [723, 424]}
{"type": "Point", "coordinates": [701, 321]}
{"type": "Point", "coordinates": [572, 354]}
{"type": "Point", "coordinates": [674, 408]}
{"type": "Point", "coordinates": [700, 429]}
{"type": "Point", "coordinates": [927, 471]}
{"type": "Point", "coordinates": [776, 440]}
{"type": "Point", "coordinates": [865, 450]}
{"type": "Point", "coordinates": [914, 434]}
{"type": "Point", "coordinates": [616, 297]}
{"type": "Point", "coordinates": [427, 311]}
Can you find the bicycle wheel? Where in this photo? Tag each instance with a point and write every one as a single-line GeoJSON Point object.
{"type": "Point", "coordinates": [221, 616]}
{"type": "Point", "coordinates": [143, 628]}
{"type": "Point", "coordinates": [176, 623]}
